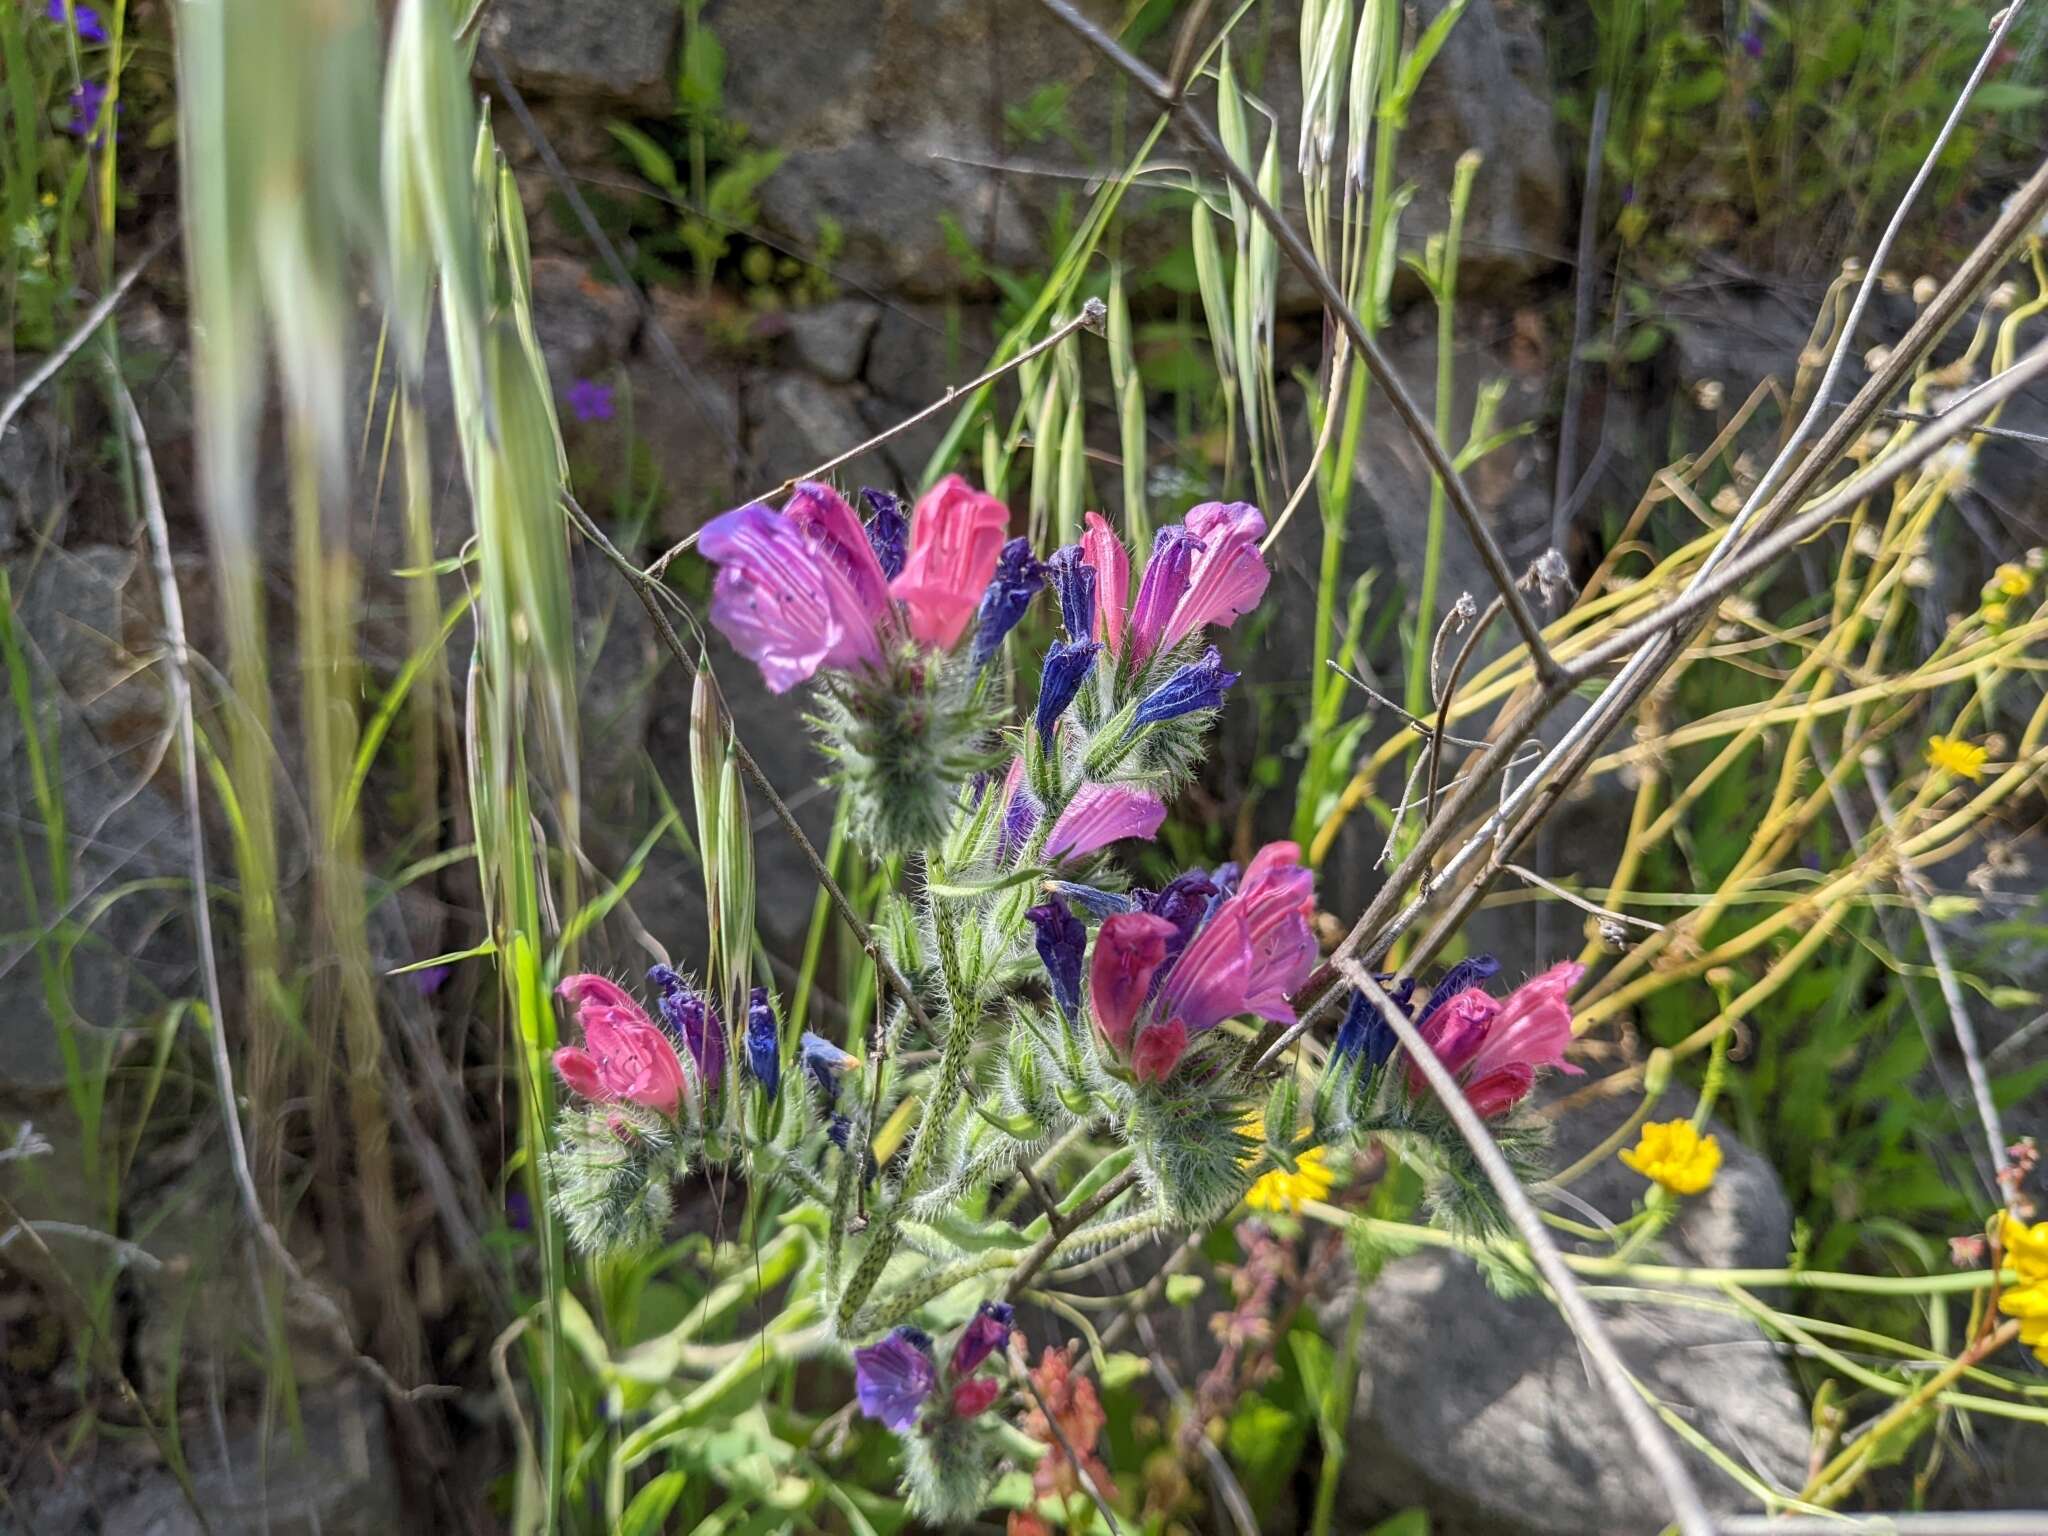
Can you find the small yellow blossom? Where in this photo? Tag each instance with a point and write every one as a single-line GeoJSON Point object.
{"type": "Point", "coordinates": [1311, 1179]}
{"type": "Point", "coordinates": [2012, 581]}
{"type": "Point", "coordinates": [2026, 1250]}
{"type": "Point", "coordinates": [1951, 754]}
{"type": "Point", "coordinates": [1676, 1156]}
{"type": "Point", "coordinates": [1281, 1191]}
{"type": "Point", "coordinates": [49, 199]}
{"type": "Point", "coordinates": [1996, 614]}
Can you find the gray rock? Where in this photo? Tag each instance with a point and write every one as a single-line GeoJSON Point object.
{"type": "Point", "coordinates": [83, 615]}
{"type": "Point", "coordinates": [832, 339]}
{"type": "Point", "coordinates": [620, 49]}
{"type": "Point", "coordinates": [1484, 1410]}
{"type": "Point", "coordinates": [339, 1479]}
{"type": "Point", "coordinates": [796, 422]}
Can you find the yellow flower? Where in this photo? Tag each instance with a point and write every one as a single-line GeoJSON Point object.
{"type": "Point", "coordinates": [49, 199]}
{"type": "Point", "coordinates": [1676, 1156]}
{"type": "Point", "coordinates": [1311, 1180]}
{"type": "Point", "coordinates": [1951, 754]}
{"type": "Point", "coordinates": [1280, 1190]}
{"type": "Point", "coordinates": [2012, 581]}
{"type": "Point", "coordinates": [2026, 1250]}
{"type": "Point", "coordinates": [1995, 614]}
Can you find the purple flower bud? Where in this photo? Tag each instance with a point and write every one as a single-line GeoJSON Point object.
{"type": "Point", "coordinates": [1752, 42]}
{"type": "Point", "coordinates": [692, 1022]}
{"type": "Point", "coordinates": [825, 1063]}
{"type": "Point", "coordinates": [518, 1211]}
{"type": "Point", "coordinates": [1164, 584]}
{"type": "Point", "coordinates": [1062, 941]}
{"type": "Point", "coordinates": [888, 528]}
{"type": "Point", "coordinates": [86, 103]}
{"type": "Point", "coordinates": [764, 1043]}
{"type": "Point", "coordinates": [589, 400]}
{"type": "Point", "coordinates": [1074, 578]}
{"type": "Point", "coordinates": [986, 1332]}
{"type": "Point", "coordinates": [1198, 685]}
{"type": "Point", "coordinates": [1018, 578]}
{"type": "Point", "coordinates": [1096, 903]}
{"type": "Point", "coordinates": [1067, 665]}
{"type": "Point", "coordinates": [893, 1378]}
{"type": "Point", "coordinates": [1365, 1030]}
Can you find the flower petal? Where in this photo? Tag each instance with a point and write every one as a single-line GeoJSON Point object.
{"type": "Point", "coordinates": [1101, 814]}
{"type": "Point", "coordinates": [955, 536]}
{"type": "Point", "coordinates": [1229, 575]}
{"type": "Point", "coordinates": [1111, 562]}
{"type": "Point", "coordinates": [1129, 949]}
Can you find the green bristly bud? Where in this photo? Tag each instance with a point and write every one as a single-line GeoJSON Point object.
{"type": "Point", "coordinates": [612, 1169]}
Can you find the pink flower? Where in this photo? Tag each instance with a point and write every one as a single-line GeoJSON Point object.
{"type": "Point", "coordinates": [1102, 550]}
{"type": "Point", "coordinates": [1152, 988]}
{"type": "Point", "coordinates": [784, 595]}
{"type": "Point", "coordinates": [1493, 1047]}
{"type": "Point", "coordinates": [1129, 949]}
{"type": "Point", "coordinates": [625, 1057]}
{"type": "Point", "coordinates": [1255, 949]}
{"type": "Point", "coordinates": [1230, 574]}
{"type": "Point", "coordinates": [955, 536]}
{"type": "Point", "coordinates": [973, 1397]}
{"type": "Point", "coordinates": [1101, 814]}
{"type": "Point", "coordinates": [836, 535]}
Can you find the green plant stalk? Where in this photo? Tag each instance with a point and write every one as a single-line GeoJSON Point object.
{"type": "Point", "coordinates": [1445, 291]}
{"type": "Point", "coordinates": [814, 935]}
{"type": "Point", "coordinates": [1333, 1419]}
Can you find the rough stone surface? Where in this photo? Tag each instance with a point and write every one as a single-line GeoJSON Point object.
{"type": "Point", "coordinates": [340, 1480]}
{"type": "Point", "coordinates": [82, 616]}
{"type": "Point", "coordinates": [1483, 1408]}
{"type": "Point", "coordinates": [621, 49]}
{"type": "Point", "coordinates": [832, 339]}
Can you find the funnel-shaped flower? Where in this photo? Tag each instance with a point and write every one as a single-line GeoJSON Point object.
{"type": "Point", "coordinates": [955, 537]}
{"type": "Point", "coordinates": [624, 1056]}
{"type": "Point", "coordinates": [1494, 1046]}
{"type": "Point", "coordinates": [892, 1379]}
{"type": "Point", "coordinates": [1229, 575]}
{"type": "Point", "coordinates": [986, 1332]}
{"type": "Point", "coordinates": [784, 597]}
{"type": "Point", "coordinates": [825, 1063]}
{"type": "Point", "coordinates": [1198, 953]}
{"type": "Point", "coordinates": [1161, 588]}
{"type": "Point", "coordinates": [1101, 814]}
{"type": "Point", "coordinates": [1105, 555]}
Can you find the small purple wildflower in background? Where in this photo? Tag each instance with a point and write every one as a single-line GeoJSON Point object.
{"type": "Point", "coordinates": [1752, 42]}
{"type": "Point", "coordinates": [85, 21]}
{"type": "Point", "coordinates": [1628, 195]}
{"type": "Point", "coordinates": [432, 979]}
{"type": "Point", "coordinates": [518, 1211]}
{"type": "Point", "coordinates": [589, 400]}
{"type": "Point", "coordinates": [86, 103]}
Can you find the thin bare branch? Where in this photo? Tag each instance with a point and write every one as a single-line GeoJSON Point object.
{"type": "Point", "coordinates": [1608, 914]}
{"type": "Point", "coordinates": [1659, 1454]}
{"type": "Point", "coordinates": [1441, 463]}
{"type": "Point", "coordinates": [67, 349]}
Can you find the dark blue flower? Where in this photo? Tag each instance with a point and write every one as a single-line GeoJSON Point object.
{"type": "Point", "coordinates": [518, 1211]}
{"type": "Point", "coordinates": [1198, 685]}
{"type": "Point", "coordinates": [825, 1063]}
{"type": "Point", "coordinates": [1018, 578]}
{"type": "Point", "coordinates": [1365, 1030]}
{"type": "Point", "coordinates": [893, 1378]}
{"type": "Point", "coordinates": [1752, 42]}
{"type": "Point", "coordinates": [1062, 941]}
{"type": "Point", "coordinates": [888, 529]}
{"type": "Point", "coordinates": [84, 18]}
{"type": "Point", "coordinates": [1468, 972]}
{"type": "Point", "coordinates": [86, 103]}
{"type": "Point", "coordinates": [690, 1019]}
{"type": "Point", "coordinates": [1067, 665]}
{"type": "Point", "coordinates": [1184, 901]}
{"type": "Point", "coordinates": [764, 1043]}
{"type": "Point", "coordinates": [1074, 579]}
{"type": "Point", "coordinates": [589, 400]}
{"type": "Point", "coordinates": [986, 1332]}
{"type": "Point", "coordinates": [1093, 901]}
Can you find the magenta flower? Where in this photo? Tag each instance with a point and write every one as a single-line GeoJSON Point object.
{"type": "Point", "coordinates": [956, 534]}
{"type": "Point", "coordinates": [624, 1058]}
{"type": "Point", "coordinates": [893, 1378]}
{"type": "Point", "coordinates": [1493, 1046]}
{"type": "Point", "coordinates": [1104, 553]}
{"type": "Point", "coordinates": [986, 1332]}
{"type": "Point", "coordinates": [786, 605]}
{"type": "Point", "coordinates": [1205, 570]}
{"type": "Point", "coordinates": [835, 534]}
{"type": "Point", "coordinates": [1101, 814]}
{"type": "Point", "coordinates": [1248, 952]}
{"type": "Point", "coordinates": [973, 1397]}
